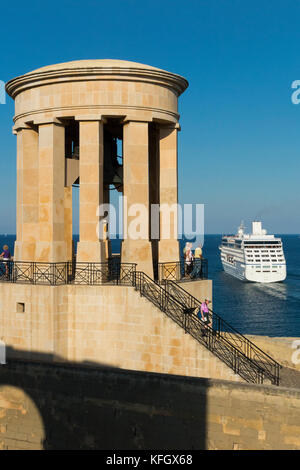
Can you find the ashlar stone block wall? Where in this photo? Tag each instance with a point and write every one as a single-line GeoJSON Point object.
{"type": "Point", "coordinates": [44, 406]}
{"type": "Point", "coordinates": [107, 325]}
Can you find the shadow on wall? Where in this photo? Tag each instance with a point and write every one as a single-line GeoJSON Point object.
{"type": "Point", "coordinates": [60, 405]}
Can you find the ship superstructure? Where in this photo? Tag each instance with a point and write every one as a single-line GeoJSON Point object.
{"type": "Point", "coordinates": [255, 257]}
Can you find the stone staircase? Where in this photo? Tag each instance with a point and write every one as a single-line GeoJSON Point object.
{"type": "Point", "coordinates": [221, 339]}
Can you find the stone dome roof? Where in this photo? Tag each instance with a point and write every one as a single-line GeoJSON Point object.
{"type": "Point", "coordinates": [95, 63]}
{"type": "Point", "coordinates": [96, 69]}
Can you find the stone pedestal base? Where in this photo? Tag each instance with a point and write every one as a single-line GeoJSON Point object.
{"type": "Point", "coordinates": [91, 252]}
{"type": "Point", "coordinates": [50, 252]}
{"type": "Point", "coordinates": [108, 252]}
{"type": "Point", "coordinates": [168, 251]}
{"type": "Point", "coordinates": [140, 252]}
{"type": "Point", "coordinates": [24, 251]}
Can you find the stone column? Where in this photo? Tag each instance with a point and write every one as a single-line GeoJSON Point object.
{"type": "Point", "coordinates": [90, 248]}
{"type": "Point", "coordinates": [27, 195]}
{"type": "Point", "coordinates": [51, 246]}
{"type": "Point", "coordinates": [168, 247]}
{"type": "Point", "coordinates": [106, 200]}
{"type": "Point", "coordinates": [135, 248]}
{"type": "Point", "coordinates": [68, 222]}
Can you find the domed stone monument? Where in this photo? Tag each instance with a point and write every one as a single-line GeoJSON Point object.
{"type": "Point", "coordinates": [68, 119]}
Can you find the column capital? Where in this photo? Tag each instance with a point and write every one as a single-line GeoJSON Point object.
{"type": "Point", "coordinates": [167, 119]}
{"type": "Point", "coordinates": [170, 126]}
{"type": "Point", "coordinates": [91, 117]}
{"type": "Point", "coordinates": [20, 126]}
{"type": "Point", "coordinates": [129, 118]}
{"type": "Point", "coordinates": [48, 120]}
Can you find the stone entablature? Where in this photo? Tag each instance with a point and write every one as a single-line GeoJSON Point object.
{"type": "Point", "coordinates": [96, 88]}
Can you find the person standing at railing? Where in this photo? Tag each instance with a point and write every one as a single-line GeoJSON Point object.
{"type": "Point", "coordinates": [196, 272]}
{"type": "Point", "coordinates": [198, 251]}
{"type": "Point", "coordinates": [6, 257]}
{"type": "Point", "coordinates": [188, 260]}
{"type": "Point", "coordinates": [187, 246]}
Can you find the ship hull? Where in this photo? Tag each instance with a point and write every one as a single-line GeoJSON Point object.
{"type": "Point", "coordinates": [249, 273]}
{"type": "Point", "coordinates": [265, 277]}
{"type": "Point", "coordinates": [236, 271]}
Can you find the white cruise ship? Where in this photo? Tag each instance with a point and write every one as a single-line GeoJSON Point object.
{"type": "Point", "coordinates": [255, 257]}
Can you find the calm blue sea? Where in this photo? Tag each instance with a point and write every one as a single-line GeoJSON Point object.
{"type": "Point", "coordinates": [261, 309]}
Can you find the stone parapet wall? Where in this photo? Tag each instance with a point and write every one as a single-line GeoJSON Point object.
{"type": "Point", "coordinates": [109, 325]}
{"type": "Point", "coordinates": [44, 406]}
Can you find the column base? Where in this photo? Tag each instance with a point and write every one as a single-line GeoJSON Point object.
{"type": "Point", "coordinates": [168, 251]}
{"type": "Point", "coordinates": [54, 252]}
{"type": "Point", "coordinates": [91, 252]}
{"type": "Point", "coordinates": [139, 252]}
{"type": "Point", "coordinates": [108, 252]}
{"type": "Point", "coordinates": [24, 251]}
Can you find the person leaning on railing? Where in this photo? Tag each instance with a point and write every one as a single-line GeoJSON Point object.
{"type": "Point", "coordinates": [6, 257]}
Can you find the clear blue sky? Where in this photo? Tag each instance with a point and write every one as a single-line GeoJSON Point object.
{"type": "Point", "coordinates": [240, 141]}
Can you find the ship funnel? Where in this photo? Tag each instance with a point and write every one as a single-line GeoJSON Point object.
{"type": "Point", "coordinates": [257, 228]}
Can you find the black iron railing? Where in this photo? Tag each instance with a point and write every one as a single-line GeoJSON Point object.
{"type": "Point", "coordinates": [242, 356]}
{"type": "Point", "coordinates": [160, 297]}
{"type": "Point", "coordinates": [252, 364]}
{"type": "Point", "coordinates": [55, 274]}
{"type": "Point", "coordinates": [31, 272]}
{"type": "Point", "coordinates": [112, 272]}
{"type": "Point", "coordinates": [181, 271]}
{"type": "Point", "coordinates": [268, 367]}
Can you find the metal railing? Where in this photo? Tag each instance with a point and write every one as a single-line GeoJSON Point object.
{"type": "Point", "coordinates": [222, 330]}
{"type": "Point", "coordinates": [252, 364]}
{"type": "Point", "coordinates": [181, 271]}
{"type": "Point", "coordinates": [31, 272]}
{"type": "Point", "coordinates": [160, 297]}
{"type": "Point", "coordinates": [69, 272]}
{"type": "Point", "coordinates": [112, 272]}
